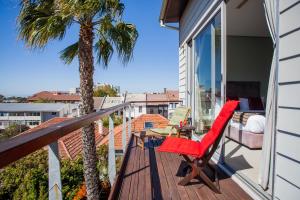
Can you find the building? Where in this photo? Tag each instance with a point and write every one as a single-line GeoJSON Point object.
{"type": "Point", "coordinates": [70, 146]}
{"type": "Point", "coordinates": [138, 109]}
{"type": "Point", "coordinates": [56, 97]}
{"type": "Point", "coordinates": [246, 50]}
{"type": "Point", "coordinates": [162, 103]}
{"type": "Point", "coordinates": [138, 124]}
{"type": "Point", "coordinates": [33, 114]}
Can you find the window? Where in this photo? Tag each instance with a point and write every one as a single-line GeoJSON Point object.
{"type": "Point", "coordinates": [148, 125]}
{"type": "Point", "coordinates": [33, 123]}
{"type": "Point", "coordinates": [207, 74]}
{"type": "Point", "coordinates": [151, 111]}
{"type": "Point", "coordinates": [53, 113]}
{"type": "Point", "coordinates": [140, 109]}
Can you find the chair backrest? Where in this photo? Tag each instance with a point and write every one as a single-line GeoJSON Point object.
{"type": "Point", "coordinates": [213, 136]}
{"type": "Point", "coordinates": [180, 114]}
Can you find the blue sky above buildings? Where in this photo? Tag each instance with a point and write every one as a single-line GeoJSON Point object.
{"type": "Point", "coordinates": [24, 71]}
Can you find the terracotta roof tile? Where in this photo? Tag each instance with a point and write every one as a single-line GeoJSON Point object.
{"type": "Point", "coordinates": [54, 96]}
{"type": "Point", "coordinates": [70, 145]}
{"type": "Point", "coordinates": [137, 125]}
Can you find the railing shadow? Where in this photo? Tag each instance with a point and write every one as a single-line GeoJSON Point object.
{"type": "Point", "coordinates": [155, 180]}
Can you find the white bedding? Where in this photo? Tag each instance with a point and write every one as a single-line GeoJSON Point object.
{"type": "Point", "coordinates": [255, 124]}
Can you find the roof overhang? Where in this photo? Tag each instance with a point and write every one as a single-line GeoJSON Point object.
{"type": "Point", "coordinates": [172, 10]}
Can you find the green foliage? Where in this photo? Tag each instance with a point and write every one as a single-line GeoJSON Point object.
{"type": "Point", "coordinates": [117, 120]}
{"type": "Point", "coordinates": [105, 90]}
{"type": "Point", "coordinates": [71, 176]}
{"type": "Point", "coordinates": [13, 130]}
{"type": "Point", "coordinates": [27, 178]}
{"type": "Point", "coordinates": [43, 20]}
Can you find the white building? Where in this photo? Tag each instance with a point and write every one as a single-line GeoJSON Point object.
{"type": "Point", "coordinates": [33, 114]}
{"type": "Point", "coordinates": [247, 50]}
{"type": "Point", "coordinates": [138, 109]}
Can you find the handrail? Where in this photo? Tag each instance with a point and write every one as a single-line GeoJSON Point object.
{"type": "Point", "coordinates": [22, 145]}
{"type": "Point", "coordinates": [17, 147]}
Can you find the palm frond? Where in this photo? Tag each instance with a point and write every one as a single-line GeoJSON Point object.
{"type": "Point", "coordinates": [104, 50]}
{"type": "Point", "coordinates": [69, 53]}
{"type": "Point", "coordinates": [124, 37]}
{"type": "Point", "coordinates": [39, 23]}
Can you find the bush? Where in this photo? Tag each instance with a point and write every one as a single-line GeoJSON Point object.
{"type": "Point", "coordinates": [27, 178]}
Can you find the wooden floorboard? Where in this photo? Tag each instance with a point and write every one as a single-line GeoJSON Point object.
{"type": "Point", "coordinates": [150, 174]}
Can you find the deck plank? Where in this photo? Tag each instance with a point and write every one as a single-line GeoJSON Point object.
{"type": "Point", "coordinates": [141, 176]}
{"type": "Point", "coordinates": [148, 186]}
{"type": "Point", "coordinates": [127, 178]}
{"type": "Point", "coordinates": [150, 174]}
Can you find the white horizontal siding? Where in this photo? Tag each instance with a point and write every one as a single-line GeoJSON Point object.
{"type": "Point", "coordinates": [286, 191]}
{"type": "Point", "coordinates": [285, 69]}
{"type": "Point", "coordinates": [292, 174]}
{"type": "Point", "coordinates": [289, 45]}
{"type": "Point", "coordinates": [284, 4]}
{"type": "Point", "coordinates": [291, 141]}
{"type": "Point", "coordinates": [191, 16]}
{"type": "Point", "coordinates": [288, 120]}
{"type": "Point", "coordinates": [288, 97]}
{"type": "Point", "coordinates": [289, 20]}
{"type": "Point", "coordinates": [287, 164]}
{"type": "Point", "coordinates": [182, 74]}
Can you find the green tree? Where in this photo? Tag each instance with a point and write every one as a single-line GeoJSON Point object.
{"type": "Point", "coordinates": [105, 90]}
{"type": "Point", "coordinates": [101, 29]}
{"type": "Point", "coordinates": [13, 130]}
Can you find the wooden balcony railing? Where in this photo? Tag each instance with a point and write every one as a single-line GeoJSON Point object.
{"type": "Point", "coordinates": [17, 147]}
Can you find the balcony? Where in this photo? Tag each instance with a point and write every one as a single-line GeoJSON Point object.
{"type": "Point", "coordinates": [144, 174]}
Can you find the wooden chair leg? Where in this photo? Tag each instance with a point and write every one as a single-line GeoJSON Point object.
{"type": "Point", "coordinates": [188, 178]}
{"type": "Point", "coordinates": [207, 180]}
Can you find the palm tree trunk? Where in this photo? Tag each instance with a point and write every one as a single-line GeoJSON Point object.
{"type": "Point", "coordinates": [86, 70]}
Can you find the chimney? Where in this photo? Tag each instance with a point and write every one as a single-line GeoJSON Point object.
{"type": "Point", "coordinates": [100, 127]}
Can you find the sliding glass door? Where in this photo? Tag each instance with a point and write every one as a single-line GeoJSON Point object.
{"type": "Point", "coordinates": [207, 74]}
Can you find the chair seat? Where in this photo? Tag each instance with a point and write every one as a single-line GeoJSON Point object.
{"type": "Point", "coordinates": [182, 146]}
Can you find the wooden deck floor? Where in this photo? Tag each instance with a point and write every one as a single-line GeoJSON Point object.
{"type": "Point", "coordinates": [149, 174]}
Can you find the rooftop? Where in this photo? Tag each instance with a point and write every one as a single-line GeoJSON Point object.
{"type": "Point", "coordinates": [137, 125]}
{"type": "Point", "coordinates": [70, 145]}
{"type": "Point", "coordinates": [32, 107]}
{"type": "Point", "coordinates": [54, 96]}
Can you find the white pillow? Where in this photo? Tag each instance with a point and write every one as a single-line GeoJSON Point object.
{"type": "Point", "coordinates": [244, 104]}
{"type": "Point", "coordinates": [255, 124]}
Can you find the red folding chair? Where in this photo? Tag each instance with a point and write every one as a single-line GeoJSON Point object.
{"type": "Point", "coordinates": [201, 151]}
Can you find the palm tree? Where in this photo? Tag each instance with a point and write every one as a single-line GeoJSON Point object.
{"type": "Point", "coordinates": [102, 31]}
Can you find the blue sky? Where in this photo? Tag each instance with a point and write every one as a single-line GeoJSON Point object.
{"type": "Point", "coordinates": [24, 71]}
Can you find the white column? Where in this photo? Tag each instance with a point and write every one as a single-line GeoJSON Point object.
{"type": "Point", "coordinates": [54, 172]}
{"type": "Point", "coordinates": [111, 153]}
{"type": "Point", "coordinates": [129, 121]}
{"type": "Point", "coordinates": [124, 131]}
{"type": "Point", "coordinates": [100, 127]}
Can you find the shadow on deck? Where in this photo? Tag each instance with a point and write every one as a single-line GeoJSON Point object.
{"type": "Point", "coordinates": [149, 174]}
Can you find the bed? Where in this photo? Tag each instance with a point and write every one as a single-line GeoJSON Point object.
{"type": "Point", "coordinates": [248, 123]}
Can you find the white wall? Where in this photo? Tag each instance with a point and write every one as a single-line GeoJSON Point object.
{"type": "Point", "coordinates": [191, 16]}
{"type": "Point", "coordinates": [287, 160]}
{"type": "Point", "coordinates": [249, 59]}
{"type": "Point", "coordinates": [182, 74]}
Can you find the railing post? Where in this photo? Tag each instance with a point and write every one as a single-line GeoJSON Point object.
{"type": "Point", "coordinates": [124, 131]}
{"type": "Point", "coordinates": [111, 153]}
{"type": "Point", "coordinates": [129, 121]}
{"type": "Point", "coordinates": [54, 172]}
